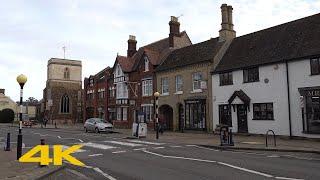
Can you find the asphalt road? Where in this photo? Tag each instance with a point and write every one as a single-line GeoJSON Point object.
{"type": "Point", "coordinates": [112, 156]}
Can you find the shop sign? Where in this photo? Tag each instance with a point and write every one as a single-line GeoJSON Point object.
{"type": "Point", "coordinates": [313, 92]}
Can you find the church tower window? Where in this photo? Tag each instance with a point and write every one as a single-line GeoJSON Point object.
{"type": "Point", "coordinates": [65, 104]}
{"type": "Point", "coordinates": [66, 73]}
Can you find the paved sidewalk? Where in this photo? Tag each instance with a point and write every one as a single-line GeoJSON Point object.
{"type": "Point", "coordinates": [11, 169]}
{"type": "Point", "coordinates": [248, 142]}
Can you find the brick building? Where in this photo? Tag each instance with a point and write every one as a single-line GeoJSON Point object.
{"type": "Point", "coordinates": [131, 82]}
{"type": "Point", "coordinates": [95, 95]}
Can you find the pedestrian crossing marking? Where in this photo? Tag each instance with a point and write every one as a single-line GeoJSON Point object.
{"type": "Point", "coordinates": [146, 142]}
{"type": "Point", "coordinates": [98, 146]}
{"type": "Point", "coordinates": [124, 143]}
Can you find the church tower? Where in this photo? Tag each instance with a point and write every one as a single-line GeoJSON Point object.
{"type": "Point", "coordinates": [62, 95]}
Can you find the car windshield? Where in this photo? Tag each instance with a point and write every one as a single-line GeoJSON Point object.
{"type": "Point", "coordinates": [99, 120]}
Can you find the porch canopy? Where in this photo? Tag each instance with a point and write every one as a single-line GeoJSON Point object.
{"type": "Point", "coordinates": [242, 96]}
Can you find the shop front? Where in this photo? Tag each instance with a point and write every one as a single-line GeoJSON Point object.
{"type": "Point", "coordinates": [195, 114]}
{"type": "Point", "coordinates": [310, 109]}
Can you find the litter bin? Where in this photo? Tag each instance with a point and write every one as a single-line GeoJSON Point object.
{"type": "Point", "coordinates": [226, 138]}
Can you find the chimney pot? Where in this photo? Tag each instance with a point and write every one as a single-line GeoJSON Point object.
{"type": "Point", "coordinates": [174, 30]}
{"type": "Point", "coordinates": [2, 91]}
{"type": "Point", "coordinates": [226, 32]}
{"type": "Point", "coordinates": [132, 46]}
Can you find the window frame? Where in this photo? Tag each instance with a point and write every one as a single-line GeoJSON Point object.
{"type": "Point", "coordinates": [165, 79]}
{"type": "Point", "coordinates": [124, 113]}
{"type": "Point", "coordinates": [317, 64]}
{"type": "Point", "coordinates": [226, 81]}
{"type": "Point", "coordinates": [147, 87]}
{"type": "Point", "coordinates": [179, 85]}
{"type": "Point", "coordinates": [248, 72]}
{"type": "Point", "coordinates": [261, 118]}
{"type": "Point", "coordinates": [146, 64]}
{"type": "Point", "coordinates": [119, 113]}
{"type": "Point", "coordinates": [198, 81]}
{"type": "Point", "coordinates": [148, 110]}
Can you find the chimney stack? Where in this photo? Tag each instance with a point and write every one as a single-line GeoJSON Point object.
{"type": "Point", "coordinates": [2, 91]}
{"type": "Point", "coordinates": [226, 32]}
{"type": "Point", "coordinates": [174, 30]}
{"type": "Point", "coordinates": [132, 46]}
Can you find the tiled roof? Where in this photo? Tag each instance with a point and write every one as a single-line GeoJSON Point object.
{"type": "Point", "coordinates": [193, 54]}
{"type": "Point", "coordinates": [292, 40]}
{"type": "Point", "coordinates": [159, 50]}
{"type": "Point", "coordinates": [125, 63]}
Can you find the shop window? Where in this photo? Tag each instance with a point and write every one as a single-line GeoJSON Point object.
{"type": "Point", "coordinates": [195, 114]}
{"type": "Point", "coordinates": [315, 66]}
{"type": "Point", "coordinates": [148, 110]}
{"type": "Point", "coordinates": [263, 111]}
{"type": "Point", "coordinates": [313, 114]}
{"type": "Point", "coordinates": [251, 75]}
{"type": "Point", "coordinates": [226, 79]}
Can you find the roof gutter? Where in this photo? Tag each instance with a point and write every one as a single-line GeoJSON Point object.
{"type": "Point", "coordinates": [288, 93]}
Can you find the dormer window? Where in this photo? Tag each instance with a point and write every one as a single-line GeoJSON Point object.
{"type": "Point", "coordinates": [118, 70]}
{"type": "Point", "coordinates": [146, 64]}
{"type": "Point", "coordinates": [66, 73]}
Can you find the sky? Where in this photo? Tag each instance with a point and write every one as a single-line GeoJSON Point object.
{"type": "Point", "coordinates": [94, 31]}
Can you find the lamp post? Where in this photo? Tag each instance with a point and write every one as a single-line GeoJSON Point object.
{"type": "Point", "coordinates": [156, 95]}
{"type": "Point", "coordinates": [21, 79]}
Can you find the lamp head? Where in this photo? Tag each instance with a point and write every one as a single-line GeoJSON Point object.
{"type": "Point", "coordinates": [156, 94]}
{"type": "Point", "coordinates": [22, 79]}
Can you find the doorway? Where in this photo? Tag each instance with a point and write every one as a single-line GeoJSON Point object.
{"type": "Point", "coordinates": [242, 118]}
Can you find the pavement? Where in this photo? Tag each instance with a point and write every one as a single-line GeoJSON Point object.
{"type": "Point", "coordinates": [172, 156]}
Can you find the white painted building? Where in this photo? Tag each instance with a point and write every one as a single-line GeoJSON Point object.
{"type": "Point", "coordinates": [270, 80]}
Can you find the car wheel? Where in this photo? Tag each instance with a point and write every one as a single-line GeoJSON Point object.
{"type": "Point", "coordinates": [85, 130]}
{"type": "Point", "coordinates": [97, 130]}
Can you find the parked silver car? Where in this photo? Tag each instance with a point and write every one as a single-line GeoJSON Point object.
{"type": "Point", "coordinates": [97, 125]}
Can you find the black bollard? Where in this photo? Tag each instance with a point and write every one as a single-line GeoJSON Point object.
{"type": "Point", "coordinates": [55, 125]}
{"type": "Point", "coordinates": [8, 143]}
{"type": "Point", "coordinates": [42, 143]}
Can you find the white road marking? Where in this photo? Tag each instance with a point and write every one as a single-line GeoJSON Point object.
{"type": "Point", "coordinates": [64, 147]}
{"type": "Point", "coordinates": [200, 147]}
{"type": "Point", "coordinates": [221, 163]}
{"type": "Point", "coordinates": [273, 156]}
{"type": "Point", "coordinates": [71, 139]}
{"type": "Point", "coordinates": [98, 146]}
{"type": "Point", "coordinates": [175, 146]}
{"type": "Point", "coordinates": [285, 178]}
{"type": "Point", "coordinates": [245, 169]}
{"type": "Point", "coordinates": [139, 149]}
{"type": "Point", "coordinates": [158, 147]}
{"type": "Point", "coordinates": [104, 174]}
{"type": "Point", "coordinates": [146, 142]}
{"type": "Point", "coordinates": [97, 170]}
{"type": "Point", "coordinates": [117, 152]}
{"type": "Point", "coordinates": [124, 143]}
{"type": "Point", "coordinates": [94, 155]}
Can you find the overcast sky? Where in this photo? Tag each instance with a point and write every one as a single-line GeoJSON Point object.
{"type": "Point", "coordinates": [94, 31]}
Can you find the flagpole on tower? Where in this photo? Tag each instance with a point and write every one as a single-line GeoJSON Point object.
{"type": "Point", "coordinates": [64, 52]}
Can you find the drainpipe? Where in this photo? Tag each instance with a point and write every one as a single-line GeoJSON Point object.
{"type": "Point", "coordinates": [289, 104]}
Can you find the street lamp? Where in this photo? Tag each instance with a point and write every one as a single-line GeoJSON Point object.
{"type": "Point", "coordinates": [156, 95]}
{"type": "Point", "coordinates": [21, 79]}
